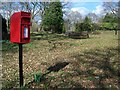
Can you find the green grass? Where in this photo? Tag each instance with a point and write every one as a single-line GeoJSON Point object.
{"type": "Point", "coordinates": [96, 55]}
{"type": "Point", "coordinates": [7, 46]}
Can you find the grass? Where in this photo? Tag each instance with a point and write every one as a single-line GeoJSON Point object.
{"type": "Point", "coordinates": [93, 62]}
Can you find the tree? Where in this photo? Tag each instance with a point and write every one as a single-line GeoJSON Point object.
{"type": "Point", "coordinates": [8, 8]}
{"type": "Point", "coordinates": [94, 18]}
{"type": "Point", "coordinates": [110, 22]}
{"type": "Point", "coordinates": [35, 8]}
{"type": "Point", "coordinates": [85, 26]}
{"type": "Point", "coordinates": [71, 18]}
{"type": "Point", "coordinates": [95, 21]}
{"type": "Point", "coordinates": [111, 7]}
{"type": "Point", "coordinates": [96, 26]}
{"type": "Point", "coordinates": [53, 18]}
{"type": "Point", "coordinates": [87, 20]}
{"type": "Point", "coordinates": [109, 17]}
{"type": "Point", "coordinates": [114, 8]}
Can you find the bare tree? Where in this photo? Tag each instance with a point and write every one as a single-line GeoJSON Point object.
{"type": "Point", "coordinates": [72, 17]}
{"type": "Point", "coordinates": [37, 9]}
{"type": "Point", "coordinates": [93, 17]}
{"type": "Point", "coordinates": [114, 8]}
{"type": "Point", "coordinates": [7, 9]}
{"type": "Point", "coordinates": [32, 7]}
{"type": "Point", "coordinates": [111, 7]}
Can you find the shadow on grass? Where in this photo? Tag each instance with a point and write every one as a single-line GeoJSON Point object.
{"type": "Point", "coordinates": [100, 65]}
{"type": "Point", "coordinates": [58, 66]}
{"type": "Point", "coordinates": [101, 68]}
{"type": "Point", "coordinates": [46, 80]}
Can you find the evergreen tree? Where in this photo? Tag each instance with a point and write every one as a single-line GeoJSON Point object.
{"type": "Point", "coordinates": [53, 18]}
{"type": "Point", "coordinates": [88, 24]}
{"type": "Point", "coordinates": [87, 20]}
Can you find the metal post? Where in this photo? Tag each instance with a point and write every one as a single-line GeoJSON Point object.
{"type": "Point", "coordinates": [20, 65]}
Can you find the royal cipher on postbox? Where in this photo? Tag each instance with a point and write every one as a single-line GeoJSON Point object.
{"type": "Point", "coordinates": [20, 27]}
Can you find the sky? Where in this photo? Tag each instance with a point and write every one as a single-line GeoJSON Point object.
{"type": "Point", "coordinates": [86, 7]}
{"type": "Point", "coordinates": [82, 6]}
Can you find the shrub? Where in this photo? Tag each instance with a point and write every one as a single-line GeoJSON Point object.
{"type": "Point", "coordinates": [79, 27]}
{"type": "Point", "coordinates": [95, 26]}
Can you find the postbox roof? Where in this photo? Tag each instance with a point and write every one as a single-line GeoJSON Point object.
{"type": "Point", "coordinates": [22, 13]}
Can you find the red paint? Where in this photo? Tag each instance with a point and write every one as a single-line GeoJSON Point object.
{"type": "Point", "coordinates": [18, 22]}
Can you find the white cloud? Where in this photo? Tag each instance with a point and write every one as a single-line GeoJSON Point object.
{"type": "Point", "coordinates": [81, 10]}
{"type": "Point", "coordinates": [99, 10]}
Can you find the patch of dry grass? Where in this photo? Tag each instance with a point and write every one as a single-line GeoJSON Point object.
{"type": "Point", "coordinates": [93, 62]}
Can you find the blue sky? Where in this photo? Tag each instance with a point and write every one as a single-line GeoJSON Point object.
{"type": "Point", "coordinates": [89, 5]}
{"type": "Point", "coordinates": [86, 7]}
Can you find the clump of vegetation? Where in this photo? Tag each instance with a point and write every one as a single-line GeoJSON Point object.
{"type": "Point", "coordinates": [82, 29]}
{"type": "Point", "coordinates": [38, 77]}
{"type": "Point", "coordinates": [86, 25]}
{"type": "Point", "coordinates": [110, 22]}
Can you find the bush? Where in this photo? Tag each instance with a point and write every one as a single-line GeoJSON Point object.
{"type": "Point", "coordinates": [109, 26]}
{"type": "Point", "coordinates": [79, 27]}
{"type": "Point", "coordinates": [95, 26]}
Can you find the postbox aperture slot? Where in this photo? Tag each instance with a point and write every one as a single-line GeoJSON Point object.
{"type": "Point", "coordinates": [25, 21]}
{"type": "Point", "coordinates": [25, 14]}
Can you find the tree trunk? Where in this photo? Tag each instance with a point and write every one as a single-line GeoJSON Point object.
{"type": "Point", "coordinates": [115, 32]}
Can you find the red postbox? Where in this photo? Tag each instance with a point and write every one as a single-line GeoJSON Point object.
{"type": "Point", "coordinates": [20, 27]}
